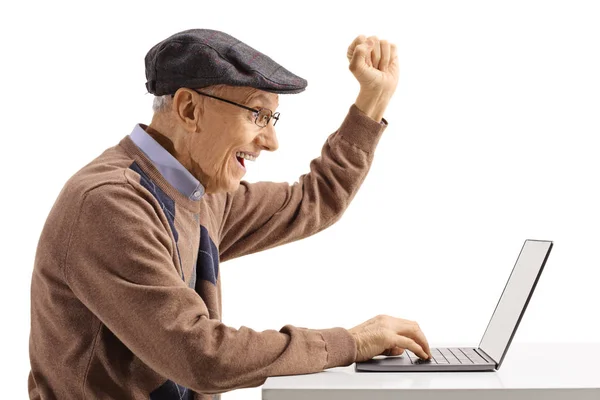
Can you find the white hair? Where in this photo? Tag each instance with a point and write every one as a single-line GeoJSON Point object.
{"type": "Point", "coordinates": [164, 103]}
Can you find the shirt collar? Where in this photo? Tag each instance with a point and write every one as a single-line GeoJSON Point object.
{"type": "Point", "coordinates": [169, 167]}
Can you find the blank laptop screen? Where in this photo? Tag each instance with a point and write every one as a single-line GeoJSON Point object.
{"type": "Point", "coordinates": [514, 298]}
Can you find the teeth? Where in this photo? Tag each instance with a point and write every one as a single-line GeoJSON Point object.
{"type": "Point", "coordinates": [245, 156]}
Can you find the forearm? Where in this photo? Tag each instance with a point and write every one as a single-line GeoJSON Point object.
{"type": "Point", "coordinates": [246, 358]}
{"type": "Point", "coordinates": [373, 104]}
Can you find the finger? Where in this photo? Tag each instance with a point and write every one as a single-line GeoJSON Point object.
{"type": "Point", "coordinates": [407, 343]}
{"type": "Point", "coordinates": [358, 40]}
{"type": "Point", "coordinates": [361, 55]}
{"type": "Point", "coordinates": [393, 56]}
{"type": "Point", "coordinates": [412, 330]}
{"type": "Point", "coordinates": [422, 340]}
{"type": "Point", "coordinates": [376, 53]}
{"type": "Point", "coordinates": [385, 55]}
{"type": "Point", "coordinates": [396, 351]}
{"type": "Point", "coordinates": [418, 336]}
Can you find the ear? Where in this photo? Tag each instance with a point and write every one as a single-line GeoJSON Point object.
{"type": "Point", "coordinates": [188, 107]}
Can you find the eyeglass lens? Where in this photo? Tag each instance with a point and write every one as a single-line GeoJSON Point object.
{"type": "Point", "coordinates": [263, 117]}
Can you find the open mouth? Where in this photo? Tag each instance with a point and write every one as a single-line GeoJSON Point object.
{"type": "Point", "coordinates": [241, 158]}
{"type": "Point", "coordinates": [241, 161]}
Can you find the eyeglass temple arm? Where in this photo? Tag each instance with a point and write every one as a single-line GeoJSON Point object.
{"type": "Point", "coordinates": [225, 100]}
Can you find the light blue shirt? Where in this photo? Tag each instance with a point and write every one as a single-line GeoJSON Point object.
{"type": "Point", "coordinates": [169, 167]}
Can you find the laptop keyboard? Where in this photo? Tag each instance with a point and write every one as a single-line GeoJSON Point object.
{"type": "Point", "coordinates": [447, 355]}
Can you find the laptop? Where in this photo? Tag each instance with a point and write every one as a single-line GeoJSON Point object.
{"type": "Point", "coordinates": [498, 334]}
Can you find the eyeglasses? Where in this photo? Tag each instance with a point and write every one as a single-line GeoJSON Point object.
{"type": "Point", "coordinates": [263, 115]}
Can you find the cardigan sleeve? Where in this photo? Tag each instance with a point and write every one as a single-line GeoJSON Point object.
{"type": "Point", "coordinates": [262, 215]}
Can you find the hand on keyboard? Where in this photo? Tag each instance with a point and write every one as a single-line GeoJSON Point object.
{"type": "Point", "coordinates": [385, 335]}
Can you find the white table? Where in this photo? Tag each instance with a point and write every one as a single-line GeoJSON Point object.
{"type": "Point", "coordinates": [529, 371]}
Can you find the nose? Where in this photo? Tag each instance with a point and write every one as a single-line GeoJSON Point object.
{"type": "Point", "coordinates": [267, 138]}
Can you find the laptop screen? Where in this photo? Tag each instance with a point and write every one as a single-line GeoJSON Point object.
{"type": "Point", "coordinates": [514, 299]}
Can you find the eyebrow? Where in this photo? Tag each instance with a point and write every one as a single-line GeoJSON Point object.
{"type": "Point", "coordinates": [263, 97]}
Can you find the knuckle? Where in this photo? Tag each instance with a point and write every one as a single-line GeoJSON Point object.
{"type": "Point", "coordinates": [360, 48]}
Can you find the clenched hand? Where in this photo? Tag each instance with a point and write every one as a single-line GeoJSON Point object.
{"type": "Point", "coordinates": [374, 64]}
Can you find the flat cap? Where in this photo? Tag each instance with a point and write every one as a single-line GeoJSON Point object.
{"type": "Point", "coordinates": [197, 58]}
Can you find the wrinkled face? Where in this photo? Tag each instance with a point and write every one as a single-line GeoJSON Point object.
{"type": "Point", "coordinates": [226, 134]}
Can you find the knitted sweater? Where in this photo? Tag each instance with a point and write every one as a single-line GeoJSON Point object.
{"type": "Point", "coordinates": [125, 291]}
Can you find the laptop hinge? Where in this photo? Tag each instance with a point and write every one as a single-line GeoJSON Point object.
{"type": "Point", "coordinates": [479, 350]}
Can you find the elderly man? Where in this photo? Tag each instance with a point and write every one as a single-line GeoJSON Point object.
{"type": "Point", "coordinates": [126, 296]}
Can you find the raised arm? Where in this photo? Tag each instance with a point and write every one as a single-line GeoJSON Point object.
{"type": "Point", "coordinates": [263, 215]}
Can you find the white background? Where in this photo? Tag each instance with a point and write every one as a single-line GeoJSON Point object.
{"type": "Point", "coordinates": [493, 138]}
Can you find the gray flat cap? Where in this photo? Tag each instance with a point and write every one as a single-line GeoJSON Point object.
{"type": "Point", "coordinates": [197, 58]}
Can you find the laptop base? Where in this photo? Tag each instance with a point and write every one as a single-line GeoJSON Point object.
{"type": "Point", "coordinates": [444, 359]}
